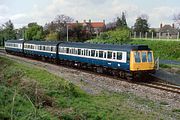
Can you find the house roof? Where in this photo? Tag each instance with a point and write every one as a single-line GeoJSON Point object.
{"type": "Point", "coordinates": [92, 24]}
{"type": "Point", "coordinates": [168, 29]}
{"type": "Point", "coordinates": [97, 24]}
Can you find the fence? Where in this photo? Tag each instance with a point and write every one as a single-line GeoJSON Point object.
{"type": "Point", "coordinates": [155, 36]}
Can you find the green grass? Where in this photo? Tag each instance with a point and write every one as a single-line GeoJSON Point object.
{"type": "Point", "coordinates": [37, 94]}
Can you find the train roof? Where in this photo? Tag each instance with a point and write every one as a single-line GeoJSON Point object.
{"type": "Point", "coordinates": [114, 47]}
{"type": "Point", "coordinates": [51, 43]}
{"type": "Point", "coordinates": [15, 41]}
{"type": "Point", "coordinates": [105, 46]}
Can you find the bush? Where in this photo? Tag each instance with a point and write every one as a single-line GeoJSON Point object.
{"type": "Point", "coordinates": [120, 35]}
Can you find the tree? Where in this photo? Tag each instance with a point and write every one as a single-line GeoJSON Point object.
{"type": "Point", "coordinates": [58, 25]}
{"type": "Point", "coordinates": [34, 32]}
{"type": "Point", "coordinates": [8, 31]}
{"type": "Point", "coordinates": [141, 25]}
{"type": "Point", "coordinates": [52, 36]}
{"type": "Point", "coordinates": [20, 33]}
{"type": "Point", "coordinates": [77, 30]}
{"type": "Point", "coordinates": [177, 18]}
{"type": "Point", "coordinates": [121, 21]}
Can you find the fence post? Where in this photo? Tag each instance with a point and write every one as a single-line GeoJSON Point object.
{"type": "Point", "coordinates": [178, 36]}
{"type": "Point", "coordinates": [134, 34]}
{"type": "Point", "coordinates": [152, 35]}
{"type": "Point", "coordinates": [3, 42]}
{"type": "Point", "coordinates": [168, 36]}
{"type": "Point", "coordinates": [157, 63]}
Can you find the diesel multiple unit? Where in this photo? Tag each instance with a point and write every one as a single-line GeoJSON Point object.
{"type": "Point", "coordinates": [127, 61]}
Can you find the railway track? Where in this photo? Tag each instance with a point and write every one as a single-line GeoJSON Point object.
{"type": "Point", "coordinates": [156, 83]}
{"type": "Point", "coordinates": [163, 86]}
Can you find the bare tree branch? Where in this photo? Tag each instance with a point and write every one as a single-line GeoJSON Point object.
{"type": "Point", "coordinates": [177, 18]}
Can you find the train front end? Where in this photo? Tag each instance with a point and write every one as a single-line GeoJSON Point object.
{"type": "Point", "coordinates": [142, 61]}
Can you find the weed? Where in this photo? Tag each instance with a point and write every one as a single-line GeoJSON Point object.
{"type": "Point", "coordinates": [176, 110]}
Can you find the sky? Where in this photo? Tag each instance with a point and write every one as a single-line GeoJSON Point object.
{"type": "Point", "coordinates": [22, 12]}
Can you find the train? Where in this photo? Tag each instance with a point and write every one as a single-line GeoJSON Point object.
{"type": "Point", "coordinates": [125, 61]}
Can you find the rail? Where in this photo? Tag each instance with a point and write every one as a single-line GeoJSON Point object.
{"type": "Point", "coordinates": [163, 86]}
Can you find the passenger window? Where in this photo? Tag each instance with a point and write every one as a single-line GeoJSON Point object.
{"type": "Point", "coordinates": [137, 57]}
{"type": "Point", "coordinates": [92, 53]}
{"type": "Point", "coordinates": [76, 51]}
{"type": "Point", "coordinates": [109, 55]}
{"type": "Point", "coordinates": [149, 56]}
{"type": "Point", "coordinates": [105, 54]}
{"type": "Point", "coordinates": [119, 55]}
{"type": "Point", "coordinates": [79, 51]}
{"type": "Point", "coordinates": [82, 52]}
{"type": "Point", "coordinates": [101, 54]}
{"type": "Point", "coordinates": [97, 52]}
{"type": "Point", "coordinates": [128, 56]}
{"type": "Point", "coordinates": [51, 48]}
{"type": "Point", "coordinates": [67, 50]}
{"type": "Point", "coordinates": [89, 53]}
{"type": "Point", "coordinates": [144, 59]}
{"type": "Point", "coordinates": [114, 55]}
{"type": "Point", "coordinates": [86, 52]}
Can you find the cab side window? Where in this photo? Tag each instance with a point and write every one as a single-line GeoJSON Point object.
{"type": "Point", "coordinates": [149, 56]}
{"type": "Point", "coordinates": [144, 57]}
{"type": "Point", "coordinates": [137, 57]}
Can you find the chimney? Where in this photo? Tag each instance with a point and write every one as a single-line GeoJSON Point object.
{"type": "Point", "coordinates": [161, 25]}
{"type": "Point", "coordinates": [104, 21]}
{"type": "Point", "coordinates": [84, 21]}
{"type": "Point", "coordinates": [173, 26]}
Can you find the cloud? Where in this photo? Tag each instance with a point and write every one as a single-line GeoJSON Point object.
{"type": "Point", "coordinates": [97, 10]}
{"type": "Point", "coordinates": [163, 14]}
{"type": "Point", "coordinates": [3, 9]}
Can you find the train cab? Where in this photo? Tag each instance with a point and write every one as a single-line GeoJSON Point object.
{"type": "Point", "coordinates": [142, 61]}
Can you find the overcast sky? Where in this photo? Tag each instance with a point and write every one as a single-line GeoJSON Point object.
{"type": "Point", "coordinates": [22, 12]}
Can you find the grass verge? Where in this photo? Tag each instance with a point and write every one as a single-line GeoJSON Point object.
{"type": "Point", "coordinates": [31, 93]}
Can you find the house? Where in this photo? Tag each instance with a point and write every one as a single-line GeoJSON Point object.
{"type": "Point", "coordinates": [168, 32]}
{"type": "Point", "coordinates": [94, 28]}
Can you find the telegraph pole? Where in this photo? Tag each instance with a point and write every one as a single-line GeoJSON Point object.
{"type": "Point", "coordinates": [67, 33]}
